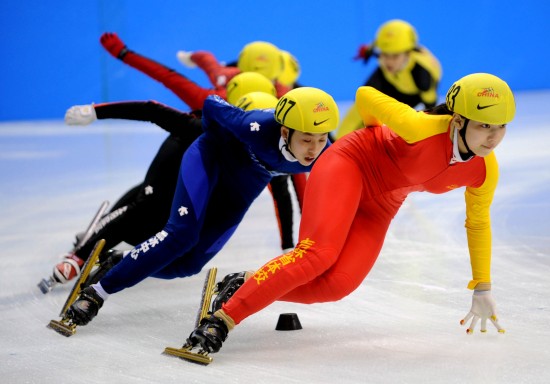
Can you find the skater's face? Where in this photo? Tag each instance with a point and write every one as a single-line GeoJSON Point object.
{"type": "Point", "coordinates": [306, 147]}
{"type": "Point", "coordinates": [481, 138]}
{"type": "Point", "coordinates": [393, 62]}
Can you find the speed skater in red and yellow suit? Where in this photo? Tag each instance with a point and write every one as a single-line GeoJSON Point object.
{"type": "Point", "coordinates": [374, 169]}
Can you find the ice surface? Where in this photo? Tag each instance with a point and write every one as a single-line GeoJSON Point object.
{"type": "Point", "coordinates": [400, 326]}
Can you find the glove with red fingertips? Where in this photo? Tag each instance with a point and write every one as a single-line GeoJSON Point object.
{"type": "Point", "coordinates": [364, 52]}
{"type": "Point", "coordinates": [483, 308]}
{"type": "Point", "coordinates": [112, 43]}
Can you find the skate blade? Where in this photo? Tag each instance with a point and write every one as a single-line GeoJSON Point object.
{"type": "Point", "coordinates": [208, 289]}
{"type": "Point", "coordinates": [62, 328]}
{"type": "Point", "coordinates": [45, 285]}
{"type": "Point", "coordinates": [185, 353]}
{"type": "Point", "coordinates": [84, 273]}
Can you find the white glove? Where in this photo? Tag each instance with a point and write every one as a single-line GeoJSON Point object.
{"type": "Point", "coordinates": [80, 115]}
{"type": "Point", "coordinates": [483, 307]}
{"type": "Point", "coordinates": [184, 57]}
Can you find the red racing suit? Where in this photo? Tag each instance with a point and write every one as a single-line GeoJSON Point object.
{"type": "Point", "coordinates": [373, 169]}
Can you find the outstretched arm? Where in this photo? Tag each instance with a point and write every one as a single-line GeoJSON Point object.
{"type": "Point", "coordinates": [478, 229]}
{"type": "Point", "coordinates": [188, 91]}
{"type": "Point", "coordinates": [170, 119]}
{"type": "Point", "coordinates": [376, 108]}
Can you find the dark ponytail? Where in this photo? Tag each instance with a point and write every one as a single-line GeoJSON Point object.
{"type": "Point", "coordinates": [440, 109]}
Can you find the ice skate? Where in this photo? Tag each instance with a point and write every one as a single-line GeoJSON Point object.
{"type": "Point", "coordinates": [207, 338]}
{"type": "Point", "coordinates": [209, 335]}
{"type": "Point", "coordinates": [210, 331]}
{"type": "Point", "coordinates": [227, 288]}
{"type": "Point", "coordinates": [64, 271]}
{"type": "Point", "coordinates": [66, 326]}
{"type": "Point", "coordinates": [186, 351]}
{"type": "Point", "coordinates": [71, 265]}
{"type": "Point", "coordinates": [86, 307]}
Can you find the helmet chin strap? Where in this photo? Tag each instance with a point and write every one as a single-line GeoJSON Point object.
{"type": "Point", "coordinates": [462, 133]}
{"type": "Point", "coordinates": [285, 150]}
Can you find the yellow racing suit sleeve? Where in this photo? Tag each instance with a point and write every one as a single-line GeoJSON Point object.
{"type": "Point", "coordinates": [376, 108]}
{"type": "Point", "coordinates": [478, 225]}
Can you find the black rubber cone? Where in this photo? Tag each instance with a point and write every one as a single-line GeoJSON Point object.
{"type": "Point", "coordinates": [288, 322]}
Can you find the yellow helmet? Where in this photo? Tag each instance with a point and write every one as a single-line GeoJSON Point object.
{"type": "Point", "coordinates": [291, 69]}
{"type": "Point", "coordinates": [247, 82]}
{"type": "Point", "coordinates": [262, 57]}
{"type": "Point", "coordinates": [256, 100]}
{"type": "Point", "coordinates": [307, 109]}
{"type": "Point", "coordinates": [396, 36]}
{"type": "Point", "coordinates": [482, 97]}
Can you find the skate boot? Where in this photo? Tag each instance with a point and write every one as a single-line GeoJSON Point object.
{"type": "Point", "coordinates": [67, 269]}
{"type": "Point", "coordinates": [85, 308]}
{"type": "Point", "coordinates": [227, 288]}
{"type": "Point", "coordinates": [210, 334]}
{"type": "Point", "coordinates": [107, 260]}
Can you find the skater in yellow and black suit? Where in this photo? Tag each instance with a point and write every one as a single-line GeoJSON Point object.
{"type": "Point", "coordinates": [406, 71]}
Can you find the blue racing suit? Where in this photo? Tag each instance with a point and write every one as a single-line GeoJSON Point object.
{"type": "Point", "coordinates": [221, 174]}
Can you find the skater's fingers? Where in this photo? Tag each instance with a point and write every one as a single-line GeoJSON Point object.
{"type": "Point", "coordinates": [494, 320]}
{"type": "Point", "coordinates": [470, 329]}
{"type": "Point", "coordinates": [466, 318]}
{"type": "Point", "coordinates": [483, 325]}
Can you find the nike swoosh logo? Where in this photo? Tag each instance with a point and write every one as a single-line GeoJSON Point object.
{"type": "Point", "coordinates": [318, 123]}
{"type": "Point", "coordinates": [485, 106]}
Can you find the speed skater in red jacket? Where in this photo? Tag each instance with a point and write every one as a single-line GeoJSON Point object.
{"type": "Point", "coordinates": [374, 169]}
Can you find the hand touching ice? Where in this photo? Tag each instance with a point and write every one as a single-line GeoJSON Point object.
{"type": "Point", "coordinates": [483, 308]}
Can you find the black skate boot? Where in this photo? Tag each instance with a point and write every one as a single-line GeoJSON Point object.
{"type": "Point", "coordinates": [210, 334]}
{"type": "Point", "coordinates": [227, 288]}
{"type": "Point", "coordinates": [107, 260]}
{"type": "Point", "coordinates": [85, 308]}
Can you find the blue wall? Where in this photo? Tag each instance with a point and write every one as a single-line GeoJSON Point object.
{"type": "Point", "coordinates": [52, 59]}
